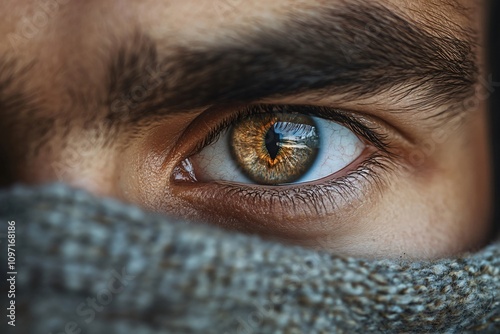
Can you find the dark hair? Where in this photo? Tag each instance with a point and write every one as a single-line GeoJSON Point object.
{"type": "Point", "coordinates": [494, 57]}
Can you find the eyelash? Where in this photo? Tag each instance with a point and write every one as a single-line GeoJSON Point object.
{"type": "Point", "coordinates": [322, 193]}
{"type": "Point", "coordinates": [311, 200]}
{"type": "Point", "coordinates": [371, 135]}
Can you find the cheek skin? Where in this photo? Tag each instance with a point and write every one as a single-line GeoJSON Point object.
{"type": "Point", "coordinates": [78, 159]}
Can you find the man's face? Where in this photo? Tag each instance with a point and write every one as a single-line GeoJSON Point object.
{"type": "Point", "coordinates": [351, 126]}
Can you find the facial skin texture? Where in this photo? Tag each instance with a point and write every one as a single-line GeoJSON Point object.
{"type": "Point", "coordinates": [111, 96]}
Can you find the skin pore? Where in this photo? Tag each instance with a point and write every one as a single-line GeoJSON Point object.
{"type": "Point", "coordinates": [117, 96]}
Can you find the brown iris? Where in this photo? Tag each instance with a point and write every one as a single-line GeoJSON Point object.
{"type": "Point", "coordinates": [275, 148]}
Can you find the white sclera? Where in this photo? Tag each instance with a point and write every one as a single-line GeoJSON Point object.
{"type": "Point", "coordinates": [339, 147]}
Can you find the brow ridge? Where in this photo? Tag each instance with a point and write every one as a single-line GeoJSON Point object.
{"type": "Point", "coordinates": [357, 51]}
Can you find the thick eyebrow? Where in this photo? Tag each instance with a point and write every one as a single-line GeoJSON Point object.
{"type": "Point", "coordinates": [357, 51]}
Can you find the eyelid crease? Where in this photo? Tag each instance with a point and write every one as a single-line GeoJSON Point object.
{"type": "Point", "coordinates": [404, 135]}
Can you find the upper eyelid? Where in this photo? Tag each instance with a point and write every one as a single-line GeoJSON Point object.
{"type": "Point", "coordinates": [375, 138]}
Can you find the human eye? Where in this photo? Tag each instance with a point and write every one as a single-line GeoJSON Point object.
{"type": "Point", "coordinates": [276, 145]}
{"type": "Point", "coordinates": [268, 168]}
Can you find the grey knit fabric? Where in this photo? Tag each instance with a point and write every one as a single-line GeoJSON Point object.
{"type": "Point", "coordinates": [147, 274]}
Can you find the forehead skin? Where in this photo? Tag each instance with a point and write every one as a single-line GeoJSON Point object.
{"type": "Point", "coordinates": [187, 21]}
{"type": "Point", "coordinates": [64, 59]}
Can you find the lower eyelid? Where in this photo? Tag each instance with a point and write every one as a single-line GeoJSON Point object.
{"type": "Point", "coordinates": [285, 209]}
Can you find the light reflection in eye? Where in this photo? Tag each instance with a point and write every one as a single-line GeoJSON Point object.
{"type": "Point", "coordinates": [277, 148]}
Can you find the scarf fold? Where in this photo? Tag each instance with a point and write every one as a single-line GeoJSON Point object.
{"type": "Point", "coordinates": [91, 265]}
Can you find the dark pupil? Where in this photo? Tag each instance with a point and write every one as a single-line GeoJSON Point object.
{"type": "Point", "coordinates": [272, 140]}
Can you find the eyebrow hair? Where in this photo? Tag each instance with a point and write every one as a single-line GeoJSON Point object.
{"type": "Point", "coordinates": [357, 51]}
{"type": "Point", "coordinates": [16, 105]}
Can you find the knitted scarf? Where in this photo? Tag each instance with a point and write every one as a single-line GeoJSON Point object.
{"type": "Point", "coordinates": [91, 265]}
